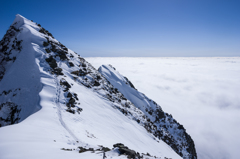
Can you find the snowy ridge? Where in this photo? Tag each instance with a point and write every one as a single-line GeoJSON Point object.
{"type": "Point", "coordinates": [61, 102]}
{"type": "Point", "coordinates": [161, 124]}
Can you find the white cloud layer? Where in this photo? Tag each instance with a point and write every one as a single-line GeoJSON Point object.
{"type": "Point", "coordinates": [203, 94]}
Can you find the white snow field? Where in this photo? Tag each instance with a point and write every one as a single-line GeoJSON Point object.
{"type": "Point", "coordinates": [43, 134]}
{"type": "Point", "coordinates": [201, 93]}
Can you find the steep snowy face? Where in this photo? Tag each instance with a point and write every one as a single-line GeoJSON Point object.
{"type": "Point", "coordinates": [161, 124]}
{"type": "Point", "coordinates": [19, 74]}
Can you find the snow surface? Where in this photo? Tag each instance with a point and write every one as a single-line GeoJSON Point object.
{"type": "Point", "coordinates": [146, 105]}
{"type": "Point", "coordinates": [51, 128]}
{"type": "Point", "coordinates": [201, 93]}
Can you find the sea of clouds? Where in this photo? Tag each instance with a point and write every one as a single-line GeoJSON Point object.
{"type": "Point", "coordinates": [203, 94]}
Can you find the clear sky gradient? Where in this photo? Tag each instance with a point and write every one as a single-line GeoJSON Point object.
{"type": "Point", "coordinates": [135, 27]}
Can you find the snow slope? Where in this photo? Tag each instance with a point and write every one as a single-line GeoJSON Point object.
{"type": "Point", "coordinates": [171, 131]}
{"type": "Point", "coordinates": [59, 103]}
{"type": "Point", "coordinates": [202, 93]}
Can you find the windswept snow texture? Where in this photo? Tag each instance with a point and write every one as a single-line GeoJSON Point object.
{"type": "Point", "coordinates": [66, 103]}
{"type": "Point", "coordinates": [203, 94]}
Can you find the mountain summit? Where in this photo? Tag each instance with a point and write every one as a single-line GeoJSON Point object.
{"type": "Point", "coordinates": [54, 104]}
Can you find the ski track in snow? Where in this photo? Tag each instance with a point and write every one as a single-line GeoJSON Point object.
{"type": "Point", "coordinates": [59, 111]}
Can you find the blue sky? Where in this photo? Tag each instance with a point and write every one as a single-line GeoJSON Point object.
{"type": "Point", "coordinates": [135, 27]}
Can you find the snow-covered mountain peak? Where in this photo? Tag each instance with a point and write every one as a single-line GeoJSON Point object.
{"type": "Point", "coordinates": [20, 20]}
{"type": "Point", "coordinates": [127, 88]}
{"type": "Point", "coordinates": [109, 70]}
{"type": "Point", "coordinates": [55, 98]}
